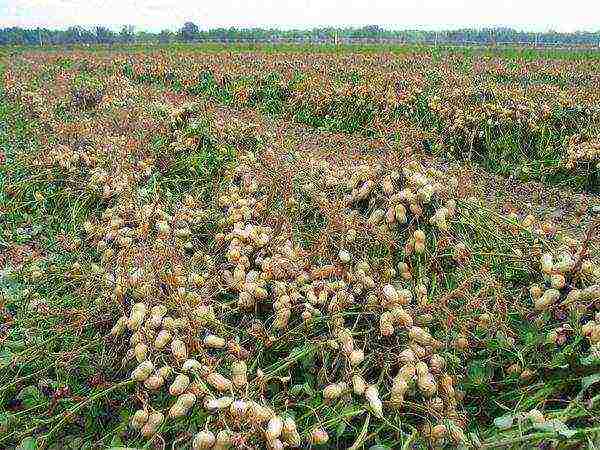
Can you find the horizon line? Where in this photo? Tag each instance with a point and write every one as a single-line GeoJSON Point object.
{"type": "Point", "coordinates": [383, 27]}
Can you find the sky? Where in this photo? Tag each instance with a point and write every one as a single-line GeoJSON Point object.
{"type": "Point", "coordinates": [154, 15]}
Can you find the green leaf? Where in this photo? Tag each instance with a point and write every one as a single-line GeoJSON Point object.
{"type": "Point", "coordinates": [296, 351]}
{"type": "Point", "coordinates": [4, 420]}
{"type": "Point", "coordinates": [590, 360]}
{"type": "Point", "coordinates": [504, 422]}
{"type": "Point", "coordinates": [339, 431]}
{"type": "Point", "coordinates": [380, 447]}
{"type": "Point", "coordinates": [586, 382]}
{"type": "Point", "coordinates": [28, 443]}
{"type": "Point", "coordinates": [308, 360]}
{"type": "Point", "coordinates": [5, 358]}
{"type": "Point", "coordinates": [116, 441]}
{"type": "Point", "coordinates": [16, 345]}
{"type": "Point", "coordinates": [478, 374]}
{"type": "Point", "coordinates": [308, 389]}
{"type": "Point", "coordinates": [557, 426]}
{"type": "Point", "coordinates": [296, 390]}
{"type": "Point", "coordinates": [30, 396]}
{"type": "Point", "coordinates": [358, 443]}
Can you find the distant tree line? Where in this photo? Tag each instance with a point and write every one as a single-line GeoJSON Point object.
{"type": "Point", "coordinates": [190, 32]}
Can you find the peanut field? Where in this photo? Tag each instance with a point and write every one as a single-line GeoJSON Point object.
{"type": "Point", "coordinates": [207, 247]}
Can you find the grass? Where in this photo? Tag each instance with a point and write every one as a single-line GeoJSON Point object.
{"type": "Point", "coordinates": [87, 188]}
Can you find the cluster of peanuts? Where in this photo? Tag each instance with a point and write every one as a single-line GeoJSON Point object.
{"type": "Point", "coordinates": [244, 415]}
{"type": "Point", "coordinates": [324, 97]}
{"type": "Point", "coordinates": [507, 109]}
{"type": "Point", "coordinates": [560, 273]}
{"type": "Point", "coordinates": [176, 118]}
{"type": "Point", "coordinates": [162, 351]}
{"type": "Point", "coordinates": [571, 281]}
{"type": "Point", "coordinates": [405, 194]}
{"type": "Point", "coordinates": [261, 263]}
{"type": "Point", "coordinates": [421, 372]}
{"type": "Point", "coordinates": [69, 159]}
{"type": "Point", "coordinates": [160, 326]}
{"type": "Point", "coordinates": [580, 151]}
{"type": "Point", "coordinates": [107, 185]}
{"type": "Point", "coordinates": [36, 104]}
{"type": "Point", "coordinates": [387, 203]}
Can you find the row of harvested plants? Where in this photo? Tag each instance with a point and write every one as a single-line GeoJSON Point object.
{"type": "Point", "coordinates": [521, 128]}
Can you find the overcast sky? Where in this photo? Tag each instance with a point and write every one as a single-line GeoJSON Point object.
{"type": "Point", "coordinates": [155, 15]}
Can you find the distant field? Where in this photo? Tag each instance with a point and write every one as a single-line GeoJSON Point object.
{"type": "Point", "coordinates": [503, 51]}
{"type": "Point", "coordinates": [252, 246]}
